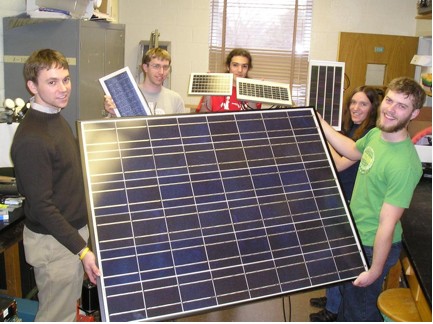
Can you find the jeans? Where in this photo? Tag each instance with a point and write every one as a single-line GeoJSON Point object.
{"type": "Point", "coordinates": [333, 299]}
{"type": "Point", "coordinates": [359, 304]}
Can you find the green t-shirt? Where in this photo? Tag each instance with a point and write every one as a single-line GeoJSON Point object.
{"type": "Point", "coordinates": [388, 172]}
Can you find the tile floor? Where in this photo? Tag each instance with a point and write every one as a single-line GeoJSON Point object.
{"type": "Point", "coordinates": [296, 309]}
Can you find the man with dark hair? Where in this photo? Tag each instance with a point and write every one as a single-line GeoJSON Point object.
{"type": "Point", "coordinates": [238, 62]}
{"type": "Point", "coordinates": [49, 175]}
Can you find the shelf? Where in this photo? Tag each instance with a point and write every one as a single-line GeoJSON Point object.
{"type": "Point", "coordinates": [426, 16]}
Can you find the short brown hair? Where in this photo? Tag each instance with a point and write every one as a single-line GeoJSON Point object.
{"type": "Point", "coordinates": [156, 52]}
{"type": "Point", "coordinates": [409, 87]}
{"type": "Point", "coordinates": [43, 59]}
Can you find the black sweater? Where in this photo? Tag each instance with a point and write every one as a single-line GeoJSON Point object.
{"type": "Point", "coordinates": [48, 173]}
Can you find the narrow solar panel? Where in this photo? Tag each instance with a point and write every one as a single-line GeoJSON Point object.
{"type": "Point", "coordinates": [325, 90]}
{"type": "Point", "coordinates": [212, 84]}
{"type": "Point", "coordinates": [274, 93]}
{"type": "Point", "coordinates": [129, 100]}
{"type": "Point", "coordinates": [194, 212]}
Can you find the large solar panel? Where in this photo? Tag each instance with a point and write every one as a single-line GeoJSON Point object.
{"type": "Point", "coordinates": [194, 212]}
{"type": "Point", "coordinates": [274, 93]}
{"type": "Point", "coordinates": [212, 84]}
{"type": "Point", "coordinates": [325, 90]}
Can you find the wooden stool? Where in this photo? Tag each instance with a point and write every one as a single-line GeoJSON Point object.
{"type": "Point", "coordinates": [398, 305]}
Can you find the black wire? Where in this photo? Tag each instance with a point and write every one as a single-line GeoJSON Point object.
{"type": "Point", "coordinates": [245, 106]}
{"type": "Point", "coordinates": [346, 77]}
{"type": "Point", "coordinates": [284, 311]}
{"type": "Point", "coordinates": [290, 309]}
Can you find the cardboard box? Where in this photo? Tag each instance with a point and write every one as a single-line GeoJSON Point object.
{"type": "Point", "coordinates": [420, 123]}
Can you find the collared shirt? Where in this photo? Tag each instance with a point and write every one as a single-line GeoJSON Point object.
{"type": "Point", "coordinates": [44, 109]}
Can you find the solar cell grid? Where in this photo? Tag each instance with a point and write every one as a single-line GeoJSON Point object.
{"type": "Point", "coordinates": [263, 91]}
{"type": "Point", "coordinates": [219, 84]}
{"type": "Point", "coordinates": [194, 212]}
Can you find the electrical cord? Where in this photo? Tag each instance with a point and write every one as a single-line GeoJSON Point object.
{"type": "Point", "coordinates": [346, 78]}
{"type": "Point", "coordinates": [284, 309]}
{"type": "Point", "coordinates": [243, 105]}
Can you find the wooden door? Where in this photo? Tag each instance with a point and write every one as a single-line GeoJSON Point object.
{"type": "Point", "coordinates": [358, 50]}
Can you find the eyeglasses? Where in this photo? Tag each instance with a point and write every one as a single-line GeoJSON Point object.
{"type": "Point", "coordinates": [158, 67]}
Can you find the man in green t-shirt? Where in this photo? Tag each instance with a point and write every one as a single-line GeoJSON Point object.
{"type": "Point", "coordinates": [388, 173]}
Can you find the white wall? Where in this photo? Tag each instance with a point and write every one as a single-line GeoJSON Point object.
{"type": "Point", "coordinates": [186, 23]}
{"type": "Point", "coordinates": [183, 22]}
{"type": "Point", "coordinates": [330, 17]}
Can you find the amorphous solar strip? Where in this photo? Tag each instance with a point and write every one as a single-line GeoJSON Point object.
{"type": "Point", "coordinates": [191, 213]}
{"type": "Point", "coordinates": [217, 84]}
{"type": "Point", "coordinates": [326, 89]}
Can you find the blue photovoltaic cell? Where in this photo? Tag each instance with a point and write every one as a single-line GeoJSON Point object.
{"type": "Point", "coordinates": [126, 99]}
{"type": "Point", "coordinates": [191, 213]}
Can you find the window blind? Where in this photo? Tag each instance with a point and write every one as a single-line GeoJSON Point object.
{"type": "Point", "coordinates": [276, 32]}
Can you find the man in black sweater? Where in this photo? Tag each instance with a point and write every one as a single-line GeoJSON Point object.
{"type": "Point", "coordinates": [48, 173]}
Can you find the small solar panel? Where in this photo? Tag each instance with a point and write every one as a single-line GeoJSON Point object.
{"type": "Point", "coordinates": [191, 213]}
{"type": "Point", "coordinates": [216, 84]}
{"type": "Point", "coordinates": [129, 100]}
{"type": "Point", "coordinates": [274, 93]}
{"type": "Point", "coordinates": [326, 89]}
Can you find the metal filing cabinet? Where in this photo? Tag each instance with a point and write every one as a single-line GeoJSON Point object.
{"type": "Point", "coordinates": [93, 48]}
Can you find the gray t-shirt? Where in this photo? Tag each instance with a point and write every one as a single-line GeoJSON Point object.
{"type": "Point", "coordinates": [166, 102]}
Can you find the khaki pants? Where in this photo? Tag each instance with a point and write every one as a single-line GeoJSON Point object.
{"type": "Point", "coordinates": [58, 274]}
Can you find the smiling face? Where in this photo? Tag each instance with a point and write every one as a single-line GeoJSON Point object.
{"type": "Point", "coordinates": [239, 66]}
{"type": "Point", "coordinates": [53, 87]}
{"type": "Point", "coordinates": [396, 111]}
{"type": "Point", "coordinates": [157, 70]}
{"type": "Point", "coordinates": [360, 107]}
